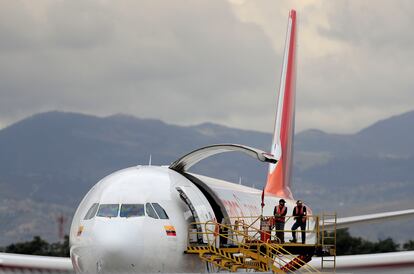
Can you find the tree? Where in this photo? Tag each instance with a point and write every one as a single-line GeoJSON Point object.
{"type": "Point", "coordinates": [348, 245]}
{"type": "Point", "coordinates": [38, 246]}
{"type": "Point", "coordinates": [387, 245]}
{"type": "Point", "coordinates": [409, 245]}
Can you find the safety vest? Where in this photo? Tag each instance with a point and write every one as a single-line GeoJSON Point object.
{"type": "Point", "coordinates": [299, 212]}
{"type": "Point", "coordinates": [280, 212]}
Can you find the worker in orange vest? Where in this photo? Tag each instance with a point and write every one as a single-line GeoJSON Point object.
{"type": "Point", "coordinates": [299, 213]}
{"type": "Point", "coordinates": [279, 214]}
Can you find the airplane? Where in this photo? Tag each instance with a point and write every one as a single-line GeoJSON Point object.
{"type": "Point", "coordinates": [136, 219]}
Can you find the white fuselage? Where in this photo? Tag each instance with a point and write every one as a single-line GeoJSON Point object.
{"type": "Point", "coordinates": [146, 244]}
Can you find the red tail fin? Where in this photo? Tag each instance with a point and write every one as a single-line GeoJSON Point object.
{"type": "Point", "coordinates": [279, 177]}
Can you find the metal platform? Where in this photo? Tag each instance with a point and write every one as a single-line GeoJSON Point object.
{"type": "Point", "coordinates": [237, 243]}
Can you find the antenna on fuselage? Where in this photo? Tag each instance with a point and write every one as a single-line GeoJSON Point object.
{"type": "Point", "coordinates": [150, 160]}
{"type": "Point", "coordinates": [240, 180]}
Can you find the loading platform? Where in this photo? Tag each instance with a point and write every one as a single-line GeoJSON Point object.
{"type": "Point", "coordinates": [250, 243]}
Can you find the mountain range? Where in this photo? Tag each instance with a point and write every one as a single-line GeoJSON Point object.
{"type": "Point", "coordinates": [50, 160]}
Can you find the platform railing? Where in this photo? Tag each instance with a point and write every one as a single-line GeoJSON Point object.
{"type": "Point", "coordinates": [265, 226]}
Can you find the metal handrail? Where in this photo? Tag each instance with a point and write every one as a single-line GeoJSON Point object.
{"type": "Point", "coordinates": [314, 218]}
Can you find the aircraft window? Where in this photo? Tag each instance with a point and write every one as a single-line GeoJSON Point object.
{"type": "Point", "coordinates": [132, 210]}
{"type": "Point", "coordinates": [91, 212]}
{"type": "Point", "coordinates": [160, 211]}
{"type": "Point", "coordinates": [108, 210]}
{"type": "Point", "coordinates": [150, 211]}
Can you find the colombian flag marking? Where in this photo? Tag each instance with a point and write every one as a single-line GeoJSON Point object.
{"type": "Point", "coordinates": [170, 230]}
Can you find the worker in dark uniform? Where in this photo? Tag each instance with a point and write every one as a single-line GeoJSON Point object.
{"type": "Point", "coordinates": [299, 213]}
{"type": "Point", "coordinates": [279, 214]}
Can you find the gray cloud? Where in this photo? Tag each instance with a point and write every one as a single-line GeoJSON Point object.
{"type": "Point", "coordinates": [188, 62]}
{"type": "Point", "coordinates": [369, 77]}
{"type": "Point", "coordinates": [371, 23]}
{"type": "Point", "coordinates": [181, 61]}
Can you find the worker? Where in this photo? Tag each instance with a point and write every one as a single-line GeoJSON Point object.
{"type": "Point", "coordinates": [279, 214]}
{"type": "Point", "coordinates": [299, 213]}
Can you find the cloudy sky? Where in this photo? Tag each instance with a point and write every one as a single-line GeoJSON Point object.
{"type": "Point", "coordinates": [188, 62]}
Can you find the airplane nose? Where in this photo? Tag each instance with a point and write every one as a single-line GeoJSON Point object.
{"type": "Point", "coordinates": [118, 245]}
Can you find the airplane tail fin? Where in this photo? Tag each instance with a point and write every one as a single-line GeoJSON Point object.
{"type": "Point", "coordinates": [280, 174]}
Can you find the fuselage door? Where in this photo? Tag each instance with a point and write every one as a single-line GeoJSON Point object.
{"type": "Point", "coordinates": [200, 209]}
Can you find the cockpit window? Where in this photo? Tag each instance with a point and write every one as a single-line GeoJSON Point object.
{"type": "Point", "coordinates": [108, 210]}
{"type": "Point", "coordinates": [160, 211]}
{"type": "Point", "coordinates": [91, 212]}
{"type": "Point", "coordinates": [150, 211]}
{"type": "Point", "coordinates": [132, 210]}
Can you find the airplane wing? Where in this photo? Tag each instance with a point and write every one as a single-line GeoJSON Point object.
{"type": "Point", "coordinates": [348, 221]}
{"type": "Point", "coordinates": [393, 261]}
{"type": "Point", "coordinates": [20, 262]}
